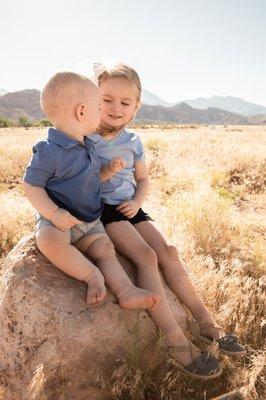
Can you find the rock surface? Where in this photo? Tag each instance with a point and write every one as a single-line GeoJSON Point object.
{"type": "Point", "coordinates": [50, 338]}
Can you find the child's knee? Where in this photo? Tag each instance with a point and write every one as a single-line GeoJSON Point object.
{"type": "Point", "coordinates": [104, 248]}
{"type": "Point", "coordinates": [48, 239]}
{"type": "Point", "coordinates": [148, 254]}
{"type": "Point", "coordinates": [166, 253]}
{"type": "Point", "coordinates": [108, 247]}
{"type": "Point", "coordinates": [169, 254]}
{"type": "Point", "coordinates": [171, 251]}
{"type": "Point", "coordinates": [42, 239]}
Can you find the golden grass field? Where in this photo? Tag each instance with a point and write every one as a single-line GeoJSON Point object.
{"type": "Point", "coordinates": [208, 196]}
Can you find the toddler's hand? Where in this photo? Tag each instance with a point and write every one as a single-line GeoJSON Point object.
{"type": "Point", "coordinates": [63, 220]}
{"type": "Point", "coordinates": [116, 164]}
{"type": "Point", "coordinates": [129, 208]}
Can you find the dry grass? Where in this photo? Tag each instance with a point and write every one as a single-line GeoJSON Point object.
{"type": "Point", "coordinates": [16, 219]}
{"type": "Point", "coordinates": [209, 197]}
{"type": "Point", "coordinates": [16, 214]}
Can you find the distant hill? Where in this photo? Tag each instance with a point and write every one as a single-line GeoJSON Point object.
{"type": "Point", "coordinates": [153, 100]}
{"type": "Point", "coordinates": [228, 103]}
{"type": "Point", "coordinates": [257, 119]}
{"type": "Point", "coordinates": [26, 103]}
{"type": "Point", "coordinates": [182, 113]}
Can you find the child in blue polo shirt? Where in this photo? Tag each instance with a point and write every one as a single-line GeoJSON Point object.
{"type": "Point", "coordinates": [62, 182]}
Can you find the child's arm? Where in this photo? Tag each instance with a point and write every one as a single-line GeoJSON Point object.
{"type": "Point", "coordinates": [115, 165]}
{"type": "Point", "coordinates": [40, 169]}
{"type": "Point", "coordinates": [131, 207]}
{"type": "Point", "coordinates": [40, 200]}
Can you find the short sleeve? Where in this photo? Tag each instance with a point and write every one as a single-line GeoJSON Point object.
{"type": "Point", "coordinates": [42, 165]}
{"type": "Point", "coordinates": [96, 160]}
{"type": "Point", "coordinates": [139, 154]}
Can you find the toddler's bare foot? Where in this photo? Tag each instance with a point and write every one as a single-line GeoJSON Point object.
{"type": "Point", "coordinates": [96, 291]}
{"type": "Point", "coordinates": [136, 298]}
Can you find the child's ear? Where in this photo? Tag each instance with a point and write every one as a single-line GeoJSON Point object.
{"type": "Point", "coordinates": [80, 111]}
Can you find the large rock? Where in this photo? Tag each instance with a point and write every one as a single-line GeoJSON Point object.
{"type": "Point", "coordinates": [51, 339]}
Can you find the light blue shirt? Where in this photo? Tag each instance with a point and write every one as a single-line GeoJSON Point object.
{"type": "Point", "coordinates": [127, 145]}
{"type": "Point", "coordinates": [69, 172]}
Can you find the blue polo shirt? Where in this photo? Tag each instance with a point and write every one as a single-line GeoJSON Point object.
{"type": "Point", "coordinates": [69, 172]}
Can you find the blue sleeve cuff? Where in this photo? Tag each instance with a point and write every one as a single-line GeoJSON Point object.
{"type": "Point", "coordinates": [36, 177]}
{"type": "Point", "coordinates": [139, 154]}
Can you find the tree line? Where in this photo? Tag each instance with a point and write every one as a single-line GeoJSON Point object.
{"type": "Point", "coordinates": [24, 122]}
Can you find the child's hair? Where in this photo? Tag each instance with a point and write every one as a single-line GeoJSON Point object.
{"type": "Point", "coordinates": [61, 91]}
{"type": "Point", "coordinates": [120, 70]}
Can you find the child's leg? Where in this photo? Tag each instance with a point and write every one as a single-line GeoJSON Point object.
{"type": "Point", "coordinates": [129, 243]}
{"type": "Point", "coordinates": [175, 274]}
{"type": "Point", "coordinates": [55, 245]}
{"type": "Point", "coordinates": [100, 248]}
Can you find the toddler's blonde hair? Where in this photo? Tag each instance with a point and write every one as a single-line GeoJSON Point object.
{"type": "Point", "coordinates": [62, 91]}
{"type": "Point", "coordinates": [119, 70]}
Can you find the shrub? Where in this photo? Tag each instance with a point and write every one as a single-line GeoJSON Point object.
{"type": "Point", "coordinates": [4, 123]}
{"type": "Point", "coordinates": [45, 123]}
{"type": "Point", "coordinates": [156, 145]}
{"type": "Point", "coordinates": [24, 122]}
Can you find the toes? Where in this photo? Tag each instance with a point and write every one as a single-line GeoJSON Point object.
{"type": "Point", "coordinates": [155, 304]}
{"type": "Point", "coordinates": [95, 298]}
{"type": "Point", "coordinates": [156, 301]}
{"type": "Point", "coordinates": [91, 299]}
{"type": "Point", "coordinates": [101, 296]}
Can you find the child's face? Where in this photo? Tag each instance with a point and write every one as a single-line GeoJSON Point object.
{"type": "Point", "coordinates": [119, 101]}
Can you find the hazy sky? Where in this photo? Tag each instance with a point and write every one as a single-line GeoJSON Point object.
{"type": "Point", "coordinates": [181, 49]}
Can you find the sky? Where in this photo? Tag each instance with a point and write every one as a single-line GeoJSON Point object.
{"type": "Point", "coordinates": [181, 49]}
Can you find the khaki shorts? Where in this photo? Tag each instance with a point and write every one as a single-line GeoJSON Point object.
{"type": "Point", "coordinates": [77, 231]}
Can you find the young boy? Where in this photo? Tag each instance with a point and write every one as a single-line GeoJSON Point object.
{"type": "Point", "coordinates": [62, 182]}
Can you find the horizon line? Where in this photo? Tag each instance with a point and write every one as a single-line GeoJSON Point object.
{"type": "Point", "coordinates": [170, 103]}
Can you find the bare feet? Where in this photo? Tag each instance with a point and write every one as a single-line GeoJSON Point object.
{"type": "Point", "coordinates": [136, 298]}
{"type": "Point", "coordinates": [96, 291]}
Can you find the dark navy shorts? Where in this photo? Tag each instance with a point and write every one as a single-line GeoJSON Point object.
{"type": "Point", "coordinates": [110, 214]}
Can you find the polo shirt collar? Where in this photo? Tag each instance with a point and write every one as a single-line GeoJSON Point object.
{"type": "Point", "coordinates": [58, 137]}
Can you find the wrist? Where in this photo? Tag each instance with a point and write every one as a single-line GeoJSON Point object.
{"type": "Point", "coordinates": [137, 202]}
{"type": "Point", "coordinates": [53, 213]}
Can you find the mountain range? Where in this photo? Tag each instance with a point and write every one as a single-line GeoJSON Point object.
{"type": "Point", "coordinates": [227, 103]}
{"type": "Point", "coordinates": [216, 110]}
{"type": "Point", "coordinates": [25, 103]}
{"type": "Point", "coordinates": [182, 113]}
